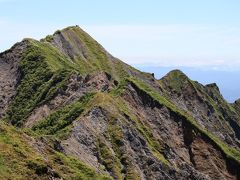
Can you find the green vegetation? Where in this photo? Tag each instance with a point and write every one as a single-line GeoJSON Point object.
{"type": "Point", "coordinates": [79, 169]}
{"type": "Point", "coordinates": [117, 136]}
{"type": "Point", "coordinates": [120, 88]}
{"type": "Point", "coordinates": [108, 159]}
{"type": "Point", "coordinates": [57, 123]}
{"type": "Point", "coordinates": [236, 106]}
{"type": "Point", "coordinates": [153, 144]}
{"type": "Point", "coordinates": [213, 91]}
{"type": "Point", "coordinates": [92, 57]}
{"type": "Point", "coordinates": [118, 109]}
{"type": "Point", "coordinates": [207, 98]}
{"type": "Point", "coordinates": [112, 155]}
{"type": "Point", "coordinates": [48, 38]}
{"type": "Point", "coordinates": [45, 72]}
{"type": "Point", "coordinates": [231, 153]}
{"type": "Point", "coordinates": [19, 160]}
{"type": "Point", "coordinates": [15, 154]}
{"type": "Point", "coordinates": [176, 80]}
{"type": "Point", "coordinates": [39, 83]}
{"type": "Point", "coordinates": [95, 52]}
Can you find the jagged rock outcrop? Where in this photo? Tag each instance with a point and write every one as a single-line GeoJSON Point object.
{"type": "Point", "coordinates": [86, 115]}
{"type": "Point", "coordinates": [9, 74]}
{"type": "Point", "coordinates": [205, 104]}
{"type": "Point", "coordinates": [236, 106]}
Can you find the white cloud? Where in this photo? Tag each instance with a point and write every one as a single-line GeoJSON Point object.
{"type": "Point", "coordinates": [158, 45]}
{"type": "Point", "coordinates": [172, 45]}
{"type": "Point", "coordinates": [12, 32]}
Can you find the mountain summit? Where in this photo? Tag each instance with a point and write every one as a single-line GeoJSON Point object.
{"type": "Point", "coordinates": [70, 110]}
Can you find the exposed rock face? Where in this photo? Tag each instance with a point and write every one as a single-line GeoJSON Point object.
{"type": "Point", "coordinates": [205, 104]}
{"type": "Point", "coordinates": [75, 88]}
{"type": "Point", "coordinates": [187, 147]}
{"type": "Point", "coordinates": [83, 140]}
{"type": "Point", "coordinates": [236, 105]}
{"type": "Point", "coordinates": [70, 44]}
{"type": "Point", "coordinates": [9, 74]}
{"type": "Point", "coordinates": [111, 119]}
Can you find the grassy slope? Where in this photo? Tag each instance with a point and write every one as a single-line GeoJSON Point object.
{"type": "Point", "coordinates": [59, 122]}
{"type": "Point", "coordinates": [231, 153]}
{"type": "Point", "coordinates": [176, 80]}
{"type": "Point", "coordinates": [117, 109]}
{"type": "Point", "coordinates": [94, 58]}
{"type": "Point", "coordinates": [18, 160]}
{"type": "Point", "coordinates": [44, 71]}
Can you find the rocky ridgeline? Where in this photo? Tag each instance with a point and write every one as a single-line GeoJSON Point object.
{"type": "Point", "coordinates": [70, 110]}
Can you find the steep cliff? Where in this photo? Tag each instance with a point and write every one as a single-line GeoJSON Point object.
{"type": "Point", "coordinates": [71, 110]}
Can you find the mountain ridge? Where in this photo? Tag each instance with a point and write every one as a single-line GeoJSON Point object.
{"type": "Point", "coordinates": [101, 116]}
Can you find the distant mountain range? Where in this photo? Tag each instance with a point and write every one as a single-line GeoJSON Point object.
{"type": "Point", "coordinates": [226, 80]}
{"type": "Point", "coordinates": [70, 110]}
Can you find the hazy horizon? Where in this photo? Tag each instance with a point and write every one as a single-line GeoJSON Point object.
{"type": "Point", "coordinates": [225, 80]}
{"type": "Point", "coordinates": [197, 37]}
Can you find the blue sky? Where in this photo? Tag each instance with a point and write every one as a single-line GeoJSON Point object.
{"type": "Point", "coordinates": [155, 35]}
